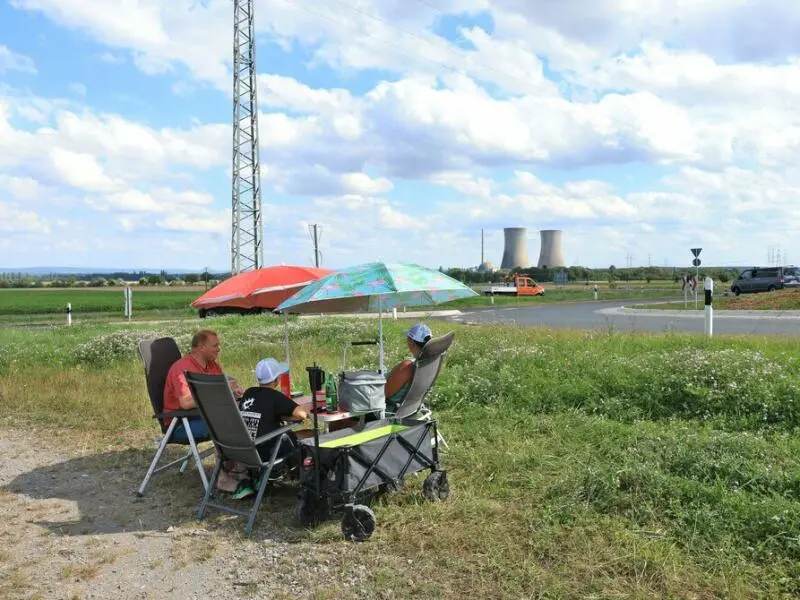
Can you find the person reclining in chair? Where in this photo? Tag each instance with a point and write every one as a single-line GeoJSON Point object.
{"type": "Point", "coordinates": [399, 378]}
{"type": "Point", "coordinates": [202, 358]}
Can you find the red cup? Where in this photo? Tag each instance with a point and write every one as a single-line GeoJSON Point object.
{"type": "Point", "coordinates": [286, 384]}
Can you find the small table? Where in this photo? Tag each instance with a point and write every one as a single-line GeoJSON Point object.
{"type": "Point", "coordinates": [326, 418]}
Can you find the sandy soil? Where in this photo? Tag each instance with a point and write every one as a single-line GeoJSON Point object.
{"type": "Point", "coordinates": [72, 527]}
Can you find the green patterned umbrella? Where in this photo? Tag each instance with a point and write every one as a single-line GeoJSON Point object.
{"type": "Point", "coordinates": [375, 287]}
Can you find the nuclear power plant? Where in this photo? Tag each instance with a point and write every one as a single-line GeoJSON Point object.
{"type": "Point", "coordinates": [515, 254]}
{"type": "Point", "coordinates": [551, 255]}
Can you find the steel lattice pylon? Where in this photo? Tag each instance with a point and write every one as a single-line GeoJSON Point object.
{"type": "Point", "coordinates": [247, 250]}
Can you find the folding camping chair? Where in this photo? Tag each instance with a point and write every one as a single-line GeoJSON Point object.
{"type": "Point", "coordinates": [426, 370]}
{"type": "Point", "coordinates": [158, 356]}
{"type": "Point", "coordinates": [214, 398]}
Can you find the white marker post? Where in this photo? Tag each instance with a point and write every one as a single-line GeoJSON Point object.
{"type": "Point", "coordinates": [69, 314]}
{"type": "Point", "coordinates": [595, 291]}
{"type": "Point", "coordinates": [128, 302]}
{"type": "Point", "coordinates": [708, 287]}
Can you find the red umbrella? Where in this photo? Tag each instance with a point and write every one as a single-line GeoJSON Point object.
{"type": "Point", "coordinates": [262, 288]}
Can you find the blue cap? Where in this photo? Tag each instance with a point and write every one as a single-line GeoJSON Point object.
{"type": "Point", "coordinates": [420, 333]}
{"type": "Point", "coordinates": [269, 369]}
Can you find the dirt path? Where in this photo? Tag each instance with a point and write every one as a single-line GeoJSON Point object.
{"type": "Point", "coordinates": [71, 527]}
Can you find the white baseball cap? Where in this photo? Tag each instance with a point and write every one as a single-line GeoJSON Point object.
{"type": "Point", "coordinates": [420, 332]}
{"type": "Point", "coordinates": [268, 370]}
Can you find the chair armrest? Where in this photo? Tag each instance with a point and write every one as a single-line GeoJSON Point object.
{"type": "Point", "coordinates": [177, 414]}
{"type": "Point", "coordinates": [272, 435]}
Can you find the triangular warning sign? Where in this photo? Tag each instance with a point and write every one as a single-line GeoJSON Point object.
{"type": "Point", "coordinates": [696, 251]}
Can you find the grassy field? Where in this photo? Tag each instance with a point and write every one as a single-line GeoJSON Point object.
{"type": "Point", "coordinates": [778, 300]}
{"type": "Point", "coordinates": [91, 301]}
{"type": "Point", "coordinates": [592, 464]}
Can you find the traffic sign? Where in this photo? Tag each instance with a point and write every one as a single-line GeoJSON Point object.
{"type": "Point", "coordinates": [696, 262]}
{"type": "Point", "coordinates": [696, 252]}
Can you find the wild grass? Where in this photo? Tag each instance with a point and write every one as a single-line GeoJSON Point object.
{"type": "Point", "coordinates": [582, 464]}
{"type": "Point", "coordinates": [787, 299]}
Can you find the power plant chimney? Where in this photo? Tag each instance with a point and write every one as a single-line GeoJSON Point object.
{"type": "Point", "coordinates": [515, 254]}
{"type": "Point", "coordinates": [551, 254]}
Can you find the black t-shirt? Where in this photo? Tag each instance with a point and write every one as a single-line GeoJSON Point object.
{"type": "Point", "coordinates": [263, 409]}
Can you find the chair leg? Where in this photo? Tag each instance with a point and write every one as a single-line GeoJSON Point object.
{"type": "Point", "coordinates": [193, 447]}
{"type": "Point", "coordinates": [266, 470]}
{"type": "Point", "coordinates": [161, 447]}
{"type": "Point", "coordinates": [251, 519]}
{"type": "Point", "coordinates": [185, 462]}
{"type": "Point", "coordinates": [441, 439]}
{"type": "Point", "coordinates": [209, 490]}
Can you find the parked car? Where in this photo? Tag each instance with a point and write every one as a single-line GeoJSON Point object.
{"type": "Point", "coordinates": [762, 279]}
{"type": "Point", "coordinates": [791, 276]}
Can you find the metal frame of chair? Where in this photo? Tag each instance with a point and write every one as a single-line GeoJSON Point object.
{"type": "Point", "coordinates": [158, 356]}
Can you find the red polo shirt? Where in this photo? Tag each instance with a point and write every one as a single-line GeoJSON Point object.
{"type": "Point", "coordinates": [176, 386]}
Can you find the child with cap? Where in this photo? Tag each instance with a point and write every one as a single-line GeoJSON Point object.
{"type": "Point", "coordinates": [263, 408]}
{"type": "Point", "coordinates": [399, 378]}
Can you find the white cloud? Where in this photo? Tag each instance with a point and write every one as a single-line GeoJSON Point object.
{"type": "Point", "coordinates": [487, 130]}
{"type": "Point", "coordinates": [14, 219]}
{"type": "Point", "coordinates": [11, 61]}
{"type": "Point", "coordinates": [81, 171]}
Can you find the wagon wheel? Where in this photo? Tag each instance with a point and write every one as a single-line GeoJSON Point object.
{"type": "Point", "coordinates": [358, 523]}
{"type": "Point", "coordinates": [436, 486]}
{"type": "Point", "coordinates": [309, 510]}
{"type": "Point", "coordinates": [392, 486]}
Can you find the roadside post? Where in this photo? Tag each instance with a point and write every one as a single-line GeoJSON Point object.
{"type": "Point", "coordinates": [394, 313]}
{"type": "Point", "coordinates": [696, 264]}
{"type": "Point", "coordinates": [69, 314]}
{"type": "Point", "coordinates": [708, 288]}
{"type": "Point", "coordinates": [595, 291]}
{"type": "Point", "coordinates": [128, 302]}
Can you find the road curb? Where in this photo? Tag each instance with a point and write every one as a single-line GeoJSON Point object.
{"type": "Point", "coordinates": [690, 314]}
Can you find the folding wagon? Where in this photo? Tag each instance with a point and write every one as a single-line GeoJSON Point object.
{"type": "Point", "coordinates": [340, 468]}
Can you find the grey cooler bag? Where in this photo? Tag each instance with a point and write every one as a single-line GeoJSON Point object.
{"type": "Point", "coordinates": [361, 391]}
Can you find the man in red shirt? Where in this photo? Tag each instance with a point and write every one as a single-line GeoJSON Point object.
{"type": "Point", "coordinates": [177, 396]}
{"type": "Point", "coordinates": [201, 359]}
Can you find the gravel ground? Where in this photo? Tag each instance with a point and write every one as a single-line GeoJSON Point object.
{"type": "Point", "coordinates": [71, 527]}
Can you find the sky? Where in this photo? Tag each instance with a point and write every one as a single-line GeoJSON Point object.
{"type": "Point", "coordinates": [402, 128]}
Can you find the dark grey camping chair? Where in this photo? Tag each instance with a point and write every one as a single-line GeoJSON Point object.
{"type": "Point", "coordinates": [426, 370]}
{"type": "Point", "coordinates": [158, 356]}
{"type": "Point", "coordinates": [214, 398]}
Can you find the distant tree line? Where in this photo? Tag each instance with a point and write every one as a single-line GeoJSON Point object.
{"type": "Point", "coordinates": [80, 280]}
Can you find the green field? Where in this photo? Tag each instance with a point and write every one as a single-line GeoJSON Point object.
{"type": "Point", "coordinates": [49, 305]}
{"type": "Point", "coordinates": [583, 464]}
{"type": "Point", "coordinates": [43, 301]}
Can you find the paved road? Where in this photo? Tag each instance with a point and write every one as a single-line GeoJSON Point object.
{"type": "Point", "coordinates": [614, 316]}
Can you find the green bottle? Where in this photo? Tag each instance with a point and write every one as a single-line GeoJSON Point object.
{"type": "Point", "coordinates": [331, 397]}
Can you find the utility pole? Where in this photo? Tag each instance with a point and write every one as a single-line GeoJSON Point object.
{"type": "Point", "coordinates": [315, 231]}
{"type": "Point", "coordinates": [247, 249]}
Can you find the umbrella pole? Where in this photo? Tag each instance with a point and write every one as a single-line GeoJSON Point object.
{"type": "Point", "coordinates": [286, 337]}
{"type": "Point", "coordinates": [380, 333]}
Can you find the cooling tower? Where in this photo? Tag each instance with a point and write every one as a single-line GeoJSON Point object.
{"type": "Point", "coordinates": [515, 254]}
{"type": "Point", "coordinates": [551, 254]}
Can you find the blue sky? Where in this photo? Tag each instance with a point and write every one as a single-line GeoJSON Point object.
{"type": "Point", "coordinates": [403, 129]}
